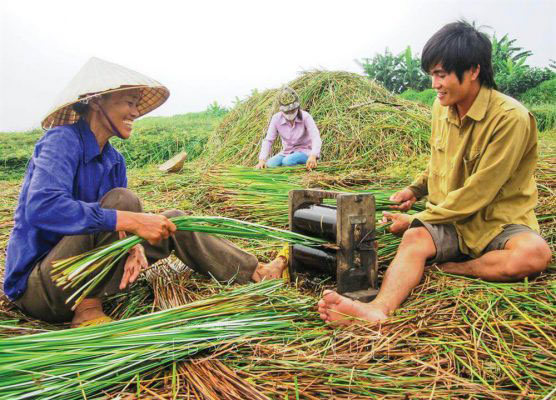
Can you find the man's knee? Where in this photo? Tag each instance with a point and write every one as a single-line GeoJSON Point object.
{"type": "Point", "coordinates": [274, 162]}
{"type": "Point", "coordinates": [418, 240]}
{"type": "Point", "coordinates": [121, 199]}
{"type": "Point", "coordinates": [173, 213]}
{"type": "Point", "coordinates": [530, 257]}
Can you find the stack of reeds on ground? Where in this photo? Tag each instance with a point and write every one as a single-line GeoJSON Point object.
{"type": "Point", "coordinates": [454, 338]}
{"type": "Point", "coordinates": [76, 363]}
{"type": "Point", "coordinates": [360, 122]}
{"type": "Point", "coordinates": [202, 377]}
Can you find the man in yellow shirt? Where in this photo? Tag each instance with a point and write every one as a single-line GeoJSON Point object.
{"type": "Point", "coordinates": [479, 219]}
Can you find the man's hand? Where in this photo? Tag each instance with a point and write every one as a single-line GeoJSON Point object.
{"type": "Point", "coordinates": [260, 164]}
{"type": "Point", "coordinates": [135, 262]}
{"type": "Point", "coordinates": [400, 222]}
{"type": "Point", "coordinates": [311, 162]}
{"type": "Point", "coordinates": [406, 198]}
{"type": "Point", "coordinates": [151, 227]}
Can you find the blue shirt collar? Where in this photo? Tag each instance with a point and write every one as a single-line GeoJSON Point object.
{"type": "Point", "coordinates": [91, 147]}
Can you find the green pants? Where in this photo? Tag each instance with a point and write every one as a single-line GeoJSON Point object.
{"type": "Point", "coordinates": [203, 253]}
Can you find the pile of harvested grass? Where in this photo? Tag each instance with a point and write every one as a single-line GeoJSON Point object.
{"type": "Point", "coordinates": [76, 363]}
{"type": "Point", "coordinates": [453, 338]}
{"type": "Point", "coordinates": [360, 122]}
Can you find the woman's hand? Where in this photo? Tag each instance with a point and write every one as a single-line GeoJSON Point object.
{"type": "Point", "coordinates": [400, 222]}
{"type": "Point", "coordinates": [260, 164]}
{"type": "Point", "coordinates": [151, 227]}
{"type": "Point", "coordinates": [135, 262]}
{"type": "Point", "coordinates": [405, 197]}
{"type": "Point", "coordinates": [311, 162]}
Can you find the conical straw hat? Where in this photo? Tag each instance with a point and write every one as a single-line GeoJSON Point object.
{"type": "Point", "coordinates": [174, 164]}
{"type": "Point", "coordinates": [96, 77]}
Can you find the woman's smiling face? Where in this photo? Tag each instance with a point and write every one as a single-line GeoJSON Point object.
{"type": "Point", "coordinates": [121, 108]}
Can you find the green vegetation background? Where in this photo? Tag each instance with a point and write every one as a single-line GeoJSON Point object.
{"type": "Point", "coordinates": [156, 139]}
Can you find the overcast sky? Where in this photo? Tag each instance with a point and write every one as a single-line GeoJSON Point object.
{"type": "Point", "coordinates": [207, 51]}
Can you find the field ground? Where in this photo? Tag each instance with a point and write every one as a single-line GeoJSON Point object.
{"type": "Point", "coordinates": [453, 338]}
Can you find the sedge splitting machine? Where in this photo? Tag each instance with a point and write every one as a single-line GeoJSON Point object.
{"type": "Point", "coordinates": [350, 225]}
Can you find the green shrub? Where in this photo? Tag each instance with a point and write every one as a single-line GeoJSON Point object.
{"type": "Point", "coordinates": [540, 94]}
{"type": "Point", "coordinates": [216, 110]}
{"type": "Point", "coordinates": [545, 114]}
{"type": "Point", "coordinates": [521, 80]}
{"type": "Point", "coordinates": [15, 151]}
{"type": "Point", "coordinates": [396, 73]}
{"type": "Point", "coordinates": [156, 139]}
{"type": "Point", "coordinates": [425, 97]}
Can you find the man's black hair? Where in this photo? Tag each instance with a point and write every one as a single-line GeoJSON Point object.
{"type": "Point", "coordinates": [458, 47]}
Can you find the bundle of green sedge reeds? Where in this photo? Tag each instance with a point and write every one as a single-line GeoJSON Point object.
{"type": "Point", "coordinates": [75, 272]}
{"type": "Point", "coordinates": [78, 363]}
{"type": "Point", "coordinates": [263, 196]}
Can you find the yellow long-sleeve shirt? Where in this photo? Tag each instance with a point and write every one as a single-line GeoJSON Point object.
{"type": "Point", "coordinates": [480, 174]}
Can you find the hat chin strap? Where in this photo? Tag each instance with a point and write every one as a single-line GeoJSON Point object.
{"type": "Point", "coordinates": [114, 129]}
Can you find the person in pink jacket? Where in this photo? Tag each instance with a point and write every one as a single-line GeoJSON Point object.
{"type": "Point", "coordinates": [300, 136]}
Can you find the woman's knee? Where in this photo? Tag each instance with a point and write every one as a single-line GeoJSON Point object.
{"type": "Point", "coordinates": [289, 163]}
{"type": "Point", "coordinates": [173, 213]}
{"type": "Point", "coordinates": [121, 199]}
{"type": "Point", "coordinates": [275, 161]}
{"type": "Point", "coordinates": [294, 159]}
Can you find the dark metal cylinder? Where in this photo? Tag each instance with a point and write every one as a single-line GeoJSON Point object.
{"type": "Point", "coordinates": [310, 259]}
{"type": "Point", "coordinates": [316, 220]}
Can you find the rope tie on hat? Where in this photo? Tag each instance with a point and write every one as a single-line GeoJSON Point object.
{"type": "Point", "coordinates": [114, 129]}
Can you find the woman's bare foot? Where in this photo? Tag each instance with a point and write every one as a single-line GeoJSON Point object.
{"type": "Point", "coordinates": [87, 310]}
{"type": "Point", "coordinates": [340, 310]}
{"type": "Point", "coordinates": [272, 270]}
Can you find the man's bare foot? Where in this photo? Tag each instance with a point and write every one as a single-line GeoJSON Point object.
{"type": "Point", "coordinates": [272, 270]}
{"type": "Point", "coordinates": [87, 310]}
{"type": "Point", "coordinates": [340, 310]}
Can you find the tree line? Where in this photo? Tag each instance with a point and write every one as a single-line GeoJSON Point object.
{"type": "Point", "coordinates": [513, 76]}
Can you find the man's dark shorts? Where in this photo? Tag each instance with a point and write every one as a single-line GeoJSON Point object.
{"type": "Point", "coordinates": [445, 239]}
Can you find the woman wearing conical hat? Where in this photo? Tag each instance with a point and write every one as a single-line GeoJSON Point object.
{"type": "Point", "coordinates": [74, 199]}
{"type": "Point", "coordinates": [300, 136]}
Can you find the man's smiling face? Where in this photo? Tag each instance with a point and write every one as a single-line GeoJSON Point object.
{"type": "Point", "coordinates": [449, 90]}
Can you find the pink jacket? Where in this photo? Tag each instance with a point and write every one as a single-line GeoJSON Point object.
{"type": "Point", "coordinates": [302, 136]}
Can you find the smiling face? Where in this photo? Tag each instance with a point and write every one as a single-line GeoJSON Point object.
{"type": "Point", "coordinates": [450, 91]}
{"type": "Point", "coordinates": [121, 108]}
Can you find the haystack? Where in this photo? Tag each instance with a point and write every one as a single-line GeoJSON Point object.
{"type": "Point", "coordinates": [360, 122]}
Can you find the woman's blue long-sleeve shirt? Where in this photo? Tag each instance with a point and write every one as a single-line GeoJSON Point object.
{"type": "Point", "coordinates": [65, 179]}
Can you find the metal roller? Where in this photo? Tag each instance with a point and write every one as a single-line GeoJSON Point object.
{"type": "Point", "coordinates": [316, 220]}
{"type": "Point", "coordinates": [313, 260]}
